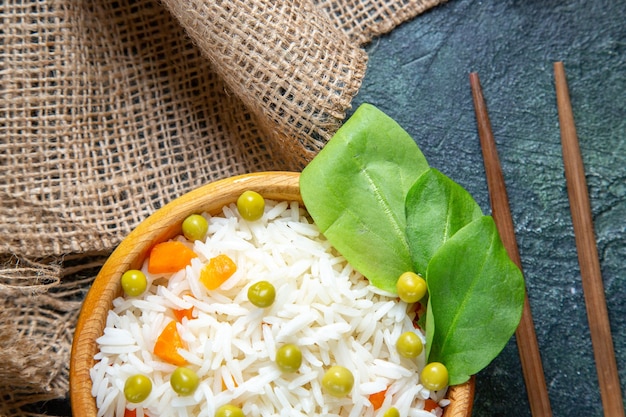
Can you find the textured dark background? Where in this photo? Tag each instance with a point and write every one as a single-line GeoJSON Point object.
{"type": "Point", "coordinates": [419, 76]}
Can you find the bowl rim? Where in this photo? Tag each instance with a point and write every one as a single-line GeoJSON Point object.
{"type": "Point", "coordinates": [163, 224]}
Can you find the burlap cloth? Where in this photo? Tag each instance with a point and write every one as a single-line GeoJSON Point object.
{"type": "Point", "coordinates": [110, 109]}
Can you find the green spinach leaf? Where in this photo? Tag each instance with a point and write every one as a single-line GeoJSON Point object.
{"type": "Point", "coordinates": [476, 300]}
{"type": "Point", "coordinates": [436, 208]}
{"type": "Point", "coordinates": [355, 190]}
{"type": "Point", "coordinates": [372, 194]}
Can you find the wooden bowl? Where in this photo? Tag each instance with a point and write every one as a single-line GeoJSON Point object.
{"type": "Point", "coordinates": [163, 225]}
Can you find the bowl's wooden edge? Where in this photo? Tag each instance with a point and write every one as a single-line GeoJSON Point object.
{"type": "Point", "coordinates": [135, 247]}
{"type": "Point", "coordinates": [461, 399]}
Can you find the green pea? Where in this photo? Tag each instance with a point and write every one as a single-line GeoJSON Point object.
{"type": "Point", "coordinates": [338, 381]}
{"type": "Point", "coordinates": [134, 282]}
{"type": "Point", "coordinates": [184, 381]}
{"type": "Point", "coordinates": [434, 376]}
{"type": "Point", "coordinates": [392, 412]}
{"type": "Point", "coordinates": [229, 410]}
{"type": "Point", "coordinates": [288, 358]}
{"type": "Point", "coordinates": [195, 227]}
{"type": "Point", "coordinates": [409, 345]}
{"type": "Point", "coordinates": [251, 205]}
{"type": "Point", "coordinates": [137, 388]}
{"type": "Point", "coordinates": [411, 287]}
{"type": "Point", "coordinates": [262, 294]}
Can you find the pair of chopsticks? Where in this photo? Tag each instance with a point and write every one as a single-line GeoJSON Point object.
{"type": "Point", "coordinates": [588, 260]}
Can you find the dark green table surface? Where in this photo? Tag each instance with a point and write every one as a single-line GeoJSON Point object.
{"type": "Point", "coordinates": [419, 75]}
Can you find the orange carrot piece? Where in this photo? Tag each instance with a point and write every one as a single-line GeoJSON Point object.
{"type": "Point", "coordinates": [430, 405]}
{"type": "Point", "coordinates": [180, 314]}
{"type": "Point", "coordinates": [377, 399]}
{"type": "Point", "coordinates": [167, 345]}
{"type": "Point", "coordinates": [172, 256]}
{"type": "Point", "coordinates": [217, 271]}
{"type": "Point", "coordinates": [133, 413]}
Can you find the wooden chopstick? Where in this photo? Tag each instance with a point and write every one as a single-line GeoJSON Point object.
{"type": "Point", "coordinates": [526, 338]}
{"type": "Point", "coordinates": [588, 260]}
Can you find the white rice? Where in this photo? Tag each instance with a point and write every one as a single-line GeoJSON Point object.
{"type": "Point", "coordinates": [322, 305]}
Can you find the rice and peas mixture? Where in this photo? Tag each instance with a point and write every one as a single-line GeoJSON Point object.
{"type": "Point", "coordinates": [321, 305]}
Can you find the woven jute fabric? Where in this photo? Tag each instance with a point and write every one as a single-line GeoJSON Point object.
{"type": "Point", "coordinates": [110, 109]}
